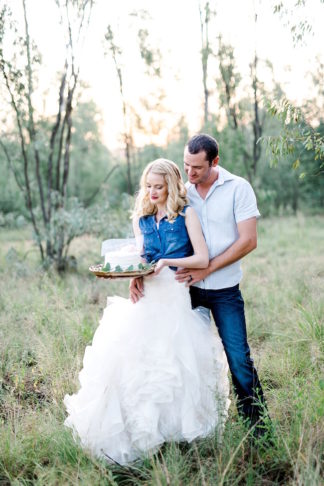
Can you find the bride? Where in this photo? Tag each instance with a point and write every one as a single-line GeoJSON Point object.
{"type": "Point", "coordinates": [155, 371]}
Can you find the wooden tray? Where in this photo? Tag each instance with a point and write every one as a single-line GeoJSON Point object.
{"type": "Point", "coordinates": [98, 272]}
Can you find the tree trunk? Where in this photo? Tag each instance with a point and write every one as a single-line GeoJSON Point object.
{"type": "Point", "coordinates": [126, 135]}
{"type": "Point", "coordinates": [257, 125]}
{"type": "Point", "coordinates": [205, 51]}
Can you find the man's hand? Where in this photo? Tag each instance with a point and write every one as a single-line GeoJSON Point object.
{"type": "Point", "coordinates": [136, 289]}
{"type": "Point", "coordinates": [191, 275]}
{"type": "Point", "coordinates": [246, 242]}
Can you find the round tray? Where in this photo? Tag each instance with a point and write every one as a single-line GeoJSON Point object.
{"type": "Point", "coordinates": [97, 271]}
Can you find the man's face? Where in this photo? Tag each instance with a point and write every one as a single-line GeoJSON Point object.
{"type": "Point", "coordinates": [197, 167]}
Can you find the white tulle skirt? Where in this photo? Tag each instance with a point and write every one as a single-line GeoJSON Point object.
{"type": "Point", "coordinates": [156, 371]}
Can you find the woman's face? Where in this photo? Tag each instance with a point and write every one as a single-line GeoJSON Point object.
{"type": "Point", "coordinates": [157, 188]}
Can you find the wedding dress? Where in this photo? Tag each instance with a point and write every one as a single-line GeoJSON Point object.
{"type": "Point", "coordinates": [156, 371]}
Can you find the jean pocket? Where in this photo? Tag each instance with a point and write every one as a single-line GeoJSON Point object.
{"type": "Point", "coordinates": [149, 235]}
{"type": "Point", "coordinates": [172, 233]}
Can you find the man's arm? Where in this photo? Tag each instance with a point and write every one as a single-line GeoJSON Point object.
{"type": "Point", "coordinates": [246, 242]}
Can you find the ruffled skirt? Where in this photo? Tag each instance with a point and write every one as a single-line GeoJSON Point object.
{"type": "Point", "coordinates": [156, 371]}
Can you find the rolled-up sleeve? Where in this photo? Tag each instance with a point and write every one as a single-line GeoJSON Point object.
{"type": "Point", "coordinates": [245, 203]}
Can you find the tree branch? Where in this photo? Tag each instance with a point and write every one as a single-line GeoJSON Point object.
{"type": "Point", "coordinates": [95, 192]}
{"type": "Point", "coordinates": [12, 167]}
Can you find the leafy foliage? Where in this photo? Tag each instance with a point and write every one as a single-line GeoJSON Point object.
{"type": "Point", "coordinates": [295, 17]}
{"type": "Point", "coordinates": [296, 136]}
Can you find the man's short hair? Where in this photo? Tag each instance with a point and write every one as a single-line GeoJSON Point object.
{"type": "Point", "coordinates": [203, 143]}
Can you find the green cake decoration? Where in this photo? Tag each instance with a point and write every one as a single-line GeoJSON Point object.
{"type": "Point", "coordinates": [132, 268]}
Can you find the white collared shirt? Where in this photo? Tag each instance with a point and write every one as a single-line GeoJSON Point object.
{"type": "Point", "coordinates": [229, 201]}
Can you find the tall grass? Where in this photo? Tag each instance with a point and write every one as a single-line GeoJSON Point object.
{"type": "Point", "coordinates": [46, 322]}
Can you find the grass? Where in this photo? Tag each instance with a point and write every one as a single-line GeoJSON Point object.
{"type": "Point", "coordinates": [46, 322]}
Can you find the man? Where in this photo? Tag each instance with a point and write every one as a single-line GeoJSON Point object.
{"type": "Point", "coordinates": [227, 209]}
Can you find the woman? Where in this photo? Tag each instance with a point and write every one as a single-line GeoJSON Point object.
{"type": "Point", "coordinates": [155, 372]}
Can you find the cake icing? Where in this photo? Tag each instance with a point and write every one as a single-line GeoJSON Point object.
{"type": "Point", "coordinates": [124, 258]}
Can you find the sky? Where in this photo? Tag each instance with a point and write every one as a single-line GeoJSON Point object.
{"type": "Point", "coordinates": [174, 28]}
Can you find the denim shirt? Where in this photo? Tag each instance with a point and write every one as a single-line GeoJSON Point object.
{"type": "Point", "coordinates": [169, 240]}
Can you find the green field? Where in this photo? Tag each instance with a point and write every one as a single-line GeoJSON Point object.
{"type": "Point", "coordinates": [46, 322]}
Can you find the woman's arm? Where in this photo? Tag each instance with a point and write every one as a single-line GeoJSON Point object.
{"type": "Point", "coordinates": [138, 236]}
{"type": "Point", "coordinates": [136, 285]}
{"type": "Point", "coordinates": [200, 258]}
{"type": "Point", "coordinates": [136, 228]}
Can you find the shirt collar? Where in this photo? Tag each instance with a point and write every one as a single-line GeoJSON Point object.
{"type": "Point", "coordinates": [223, 176]}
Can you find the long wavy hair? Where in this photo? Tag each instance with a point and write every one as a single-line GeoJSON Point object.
{"type": "Point", "coordinates": [177, 193]}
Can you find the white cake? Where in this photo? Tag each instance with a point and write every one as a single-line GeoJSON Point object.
{"type": "Point", "coordinates": [124, 258]}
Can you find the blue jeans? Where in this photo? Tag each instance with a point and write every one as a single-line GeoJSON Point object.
{"type": "Point", "coordinates": [227, 307]}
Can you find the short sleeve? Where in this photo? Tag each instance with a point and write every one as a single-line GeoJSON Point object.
{"type": "Point", "coordinates": [245, 204]}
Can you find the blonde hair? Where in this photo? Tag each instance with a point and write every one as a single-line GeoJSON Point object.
{"type": "Point", "coordinates": [177, 193]}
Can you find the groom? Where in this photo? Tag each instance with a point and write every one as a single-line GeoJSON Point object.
{"type": "Point", "coordinates": [227, 209]}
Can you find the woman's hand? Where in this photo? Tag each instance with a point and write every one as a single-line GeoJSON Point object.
{"type": "Point", "coordinates": [136, 289]}
{"type": "Point", "coordinates": [160, 264]}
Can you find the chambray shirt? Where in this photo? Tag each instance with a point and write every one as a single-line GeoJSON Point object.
{"type": "Point", "coordinates": [229, 201]}
{"type": "Point", "coordinates": [168, 240]}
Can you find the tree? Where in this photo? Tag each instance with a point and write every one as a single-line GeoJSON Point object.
{"type": "Point", "coordinates": [298, 132]}
{"type": "Point", "coordinates": [228, 82]}
{"type": "Point", "coordinates": [245, 117]}
{"type": "Point", "coordinates": [296, 136]}
{"type": "Point", "coordinates": [152, 120]}
{"type": "Point", "coordinates": [301, 128]}
{"type": "Point", "coordinates": [91, 162]}
{"type": "Point", "coordinates": [146, 116]}
{"type": "Point", "coordinates": [205, 14]}
{"type": "Point", "coordinates": [43, 170]}
{"type": "Point", "coordinates": [127, 133]}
